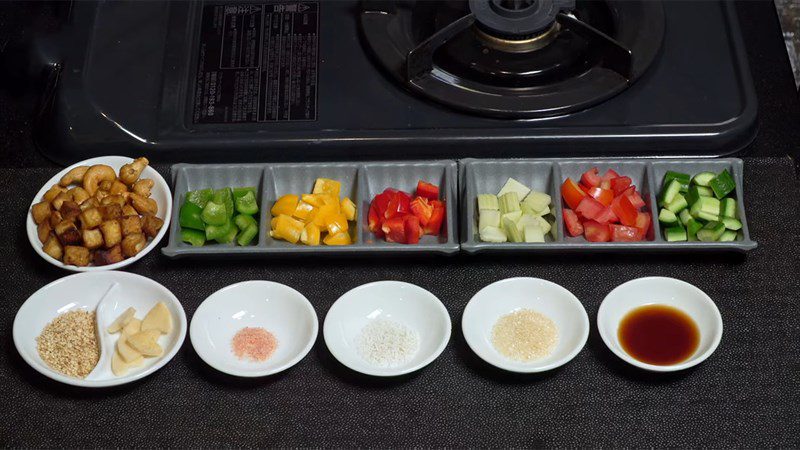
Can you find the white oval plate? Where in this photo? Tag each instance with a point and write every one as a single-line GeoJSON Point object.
{"type": "Point", "coordinates": [663, 291]}
{"type": "Point", "coordinates": [405, 303]}
{"type": "Point", "coordinates": [160, 193]}
{"type": "Point", "coordinates": [279, 309]}
{"type": "Point", "coordinates": [512, 294]}
{"type": "Point", "coordinates": [83, 291]}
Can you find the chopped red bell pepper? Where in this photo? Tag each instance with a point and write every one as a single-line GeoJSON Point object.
{"type": "Point", "coordinates": [395, 229]}
{"type": "Point", "coordinates": [572, 193]}
{"type": "Point", "coordinates": [381, 202]}
{"type": "Point", "coordinates": [375, 220]}
{"type": "Point", "coordinates": [422, 209]}
{"type": "Point", "coordinates": [591, 178]}
{"type": "Point", "coordinates": [427, 190]}
{"type": "Point", "coordinates": [412, 229]}
{"type": "Point", "coordinates": [622, 233]}
{"type": "Point", "coordinates": [399, 205]}
{"type": "Point", "coordinates": [574, 226]}
{"type": "Point", "coordinates": [589, 208]}
{"type": "Point", "coordinates": [434, 224]}
{"type": "Point", "coordinates": [596, 232]}
{"type": "Point", "coordinates": [620, 184]}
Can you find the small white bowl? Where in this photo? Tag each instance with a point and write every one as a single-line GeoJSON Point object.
{"type": "Point", "coordinates": [404, 303]}
{"type": "Point", "coordinates": [84, 291]}
{"type": "Point", "coordinates": [662, 291]}
{"type": "Point", "coordinates": [279, 309]}
{"type": "Point", "coordinates": [512, 294]}
{"type": "Point", "coordinates": [160, 193]}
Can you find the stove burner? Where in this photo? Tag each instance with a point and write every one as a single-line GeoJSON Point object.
{"type": "Point", "coordinates": [517, 19]}
{"type": "Point", "coordinates": [519, 45]}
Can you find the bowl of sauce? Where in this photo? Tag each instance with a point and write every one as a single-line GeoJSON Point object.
{"type": "Point", "coordinates": [660, 324]}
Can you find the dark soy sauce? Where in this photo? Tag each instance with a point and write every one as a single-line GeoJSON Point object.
{"type": "Point", "coordinates": [659, 335]}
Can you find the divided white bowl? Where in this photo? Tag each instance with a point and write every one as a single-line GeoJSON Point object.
{"type": "Point", "coordinates": [513, 294]}
{"type": "Point", "coordinates": [661, 291]}
{"type": "Point", "coordinates": [279, 309]}
{"type": "Point", "coordinates": [160, 193]}
{"type": "Point", "coordinates": [84, 291]}
{"type": "Point", "coordinates": [404, 303]}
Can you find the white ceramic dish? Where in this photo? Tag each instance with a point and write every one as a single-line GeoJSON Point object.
{"type": "Point", "coordinates": [512, 294]}
{"type": "Point", "coordinates": [404, 303]}
{"type": "Point", "coordinates": [281, 310]}
{"type": "Point", "coordinates": [84, 291]}
{"type": "Point", "coordinates": [160, 193]}
{"type": "Point", "coordinates": [665, 291]}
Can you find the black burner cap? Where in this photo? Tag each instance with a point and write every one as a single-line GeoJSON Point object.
{"type": "Point", "coordinates": [517, 19]}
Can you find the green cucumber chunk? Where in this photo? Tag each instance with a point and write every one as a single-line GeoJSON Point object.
{"type": "Point", "coordinates": [728, 207]}
{"type": "Point", "coordinates": [722, 184]}
{"type": "Point", "coordinates": [677, 204]}
{"type": "Point", "coordinates": [706, 208]}
{"type": "Point", "coordinates": [692, 227]}
{"type": "Point", "coordinates": [731, 223]}
{"type": "Point", "coordinates": [685, 217]}
{"type": "Point", "coordinates": [728, 236]}
{"type": "Point", "coordinates": [703, 178]}
{"type": "Point", "coordinates": [683, 179]}
{"type": "Point", "coordinates": [669, 192]}
{"type": "Point", "coordinates": [667, 216]}
{"type": "Point", "coordinates": [711, 231]}
{"type": "Point", "coordinates": [675, 234]}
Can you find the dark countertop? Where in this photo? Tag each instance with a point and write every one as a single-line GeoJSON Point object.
{"type": "Point", "coordinates": [745, 395]}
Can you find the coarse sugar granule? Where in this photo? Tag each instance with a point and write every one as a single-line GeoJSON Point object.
{"type": "Point", "coordinates": [69, 344]}
{"type": "Point", "coordinates": [254, 343]}
{"type": "Point", "coordinates": [386, 343]}
{"type": "Point", "coordinates": [525, 335]}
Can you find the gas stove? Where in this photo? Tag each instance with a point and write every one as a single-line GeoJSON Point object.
{"type": "Point", "coordinates": [340, 79]}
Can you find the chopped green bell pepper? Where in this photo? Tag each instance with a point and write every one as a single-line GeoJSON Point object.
{"type": "Point", "coordinates": [214, 232]}
{"type": "Point", "coordinates": [243, 221]}
{"type": "Point", "coordinates": [246, 204]}
{"type": "Point", "coordinates": [214, 214]}
{"type": "Point", "coordinates": [194, 237]}
{"type": "Point", "coordinates": [199, 197]}
{"type": "Point", "coordinates": [230, 236]}
{"type": "Point", "coordinates": [224, 196]}
{"type": "Point", "coordinates": [189, 216]}
{"type": "Point", "coordinates": [247, 235]}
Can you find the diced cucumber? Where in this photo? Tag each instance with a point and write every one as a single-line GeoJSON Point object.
{"type": "Point", "coordinates": [514, 216]}
{"type": "Point", "coordinates": [677, 204]}
{"type": "Point", "coordinates": [513, 185]}
{"type": "Point", "coordinates": [685, 217]}
{"type": "Point", "coordinates": [509, 202]}
{"type": "Point", "coordinates": [538, 201]}
{"type": "Point", "coordinates": [683, 179]}
{"type": "Point", "coordinates": [675, 234]}
{"type": "Point", "coordinates": [728, 236]}
{"type": "Point", "coordinates": [493, 234]}
{"type": "Point", "coordinates": [705, 191]}
{"type": "Point", "coordinates": [534, 233]}
{"type": "Point", "coordinates": [488, 201]}
{"type": "Point", "coordinates": [667, 216]}
{"type": "Point", "coordinates": [703, 178]}
{"type": "Point", "coordinates": [672, 189]}
{"type": "Point", "coordinates": [695, 192]}
{"type": "Point", "coordinates": [711, 231]}
{"type": "Point", "coordinates": [513, 233]}
{"type": "Point", "coordinates": [722, 184]}
{"type": "Point", "coordinates": [692, 227]}
{"type": "Point", "coordinates": [706, 208]}
{"type": "Point", "coordinates": [488, 218]}
{"type": "Point", "coordinates": [731, 223]}
{"type": "Point", "coordinates": [728, 206]}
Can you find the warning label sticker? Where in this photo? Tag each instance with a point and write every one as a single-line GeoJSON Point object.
{"type": "Point", "coordinates": [257, 63]}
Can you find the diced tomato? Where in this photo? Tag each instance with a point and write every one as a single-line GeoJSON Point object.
{"type": "Point", "coordinates": [619, 184]}
{"type": "Point", "coordinates": [574, 227]}
{"type": "Point", "coordinates": [585, 189]}
{"type": "Point", "coordinates": [596, 232]}
{"type": "Point", "coordinates": [437, 217]}
{"type": "Point", "coordinates": [572, 193]}
{"type": "Point", "coordinates": [399, 205]}
{"type": "Point", "coordinates": [607, 216]}
{"type": "Point", "coordinates": [427, 190]}
{"type": "Point", "coordinates": [395, 229]}
{"type": "Point", "coordinates": [412, 229]}
{"type": "Point", "coordinates": [422, 209]}
{"type": "Point", "coordinates": [634, 196]}
{"type": "Point", "coordinates": [625, 210]}
{"type": "Point", "coordinates": [591, 178]}
{"type": "Point", "coordinates": [610, 175]}
{"type": "Point", "coordinates": [375, 221]}
{"type": "Point", "coordinates": [604, 196]}
{"type": "Point", "coordinates": [621, 233]}
{"type": "Point", "coordinates": [643, 223]}
{"type": "Point", "coordinates": [589, 208]}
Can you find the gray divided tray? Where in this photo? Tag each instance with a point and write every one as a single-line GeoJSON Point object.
{"type": "Point", "coordinates": [546, 175]}
{"type": "Point", "coordinates": [360, 181]}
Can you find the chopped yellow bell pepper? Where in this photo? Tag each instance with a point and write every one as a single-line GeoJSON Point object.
{"type": "Point", "coordinates": [348, 208]}
{"type": "Point", "coordinates": [327, 186]}
{"type": "Point", "coordinates": [287, 228]}
{"type": "Point", "coordinates": [310, 235]}
{"type": "Point", "coordinates": [303, 211]}
{"type": "Point", "coordinates": [337, 223]}
{"type": "Point", "coordinates": [285, 205]}
{"type": "Point", "coordinates": [337, 239]}
{"type": "Point", "coordinates": [324, 215]}
{"type": "Point", "coordinates": [318, 200]}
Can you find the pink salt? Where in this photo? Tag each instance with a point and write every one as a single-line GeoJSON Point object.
{"type": "Point", "coordinates": [256, 344]}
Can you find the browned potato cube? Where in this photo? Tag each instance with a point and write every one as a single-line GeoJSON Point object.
{"type": "Point", "coordinates": [43, 230]}
{"type": "Point", "coordinates": [53, 248]}
{"type": "Point", "coordinates": [76, 255]}
{"type": "Point", "coordinates": [53, 192]}
{"type": "Point", "coordinates": [68, 233]}
{"type": "Point", "coordinates": [105, 185]}
{"type": "Point", "coordinates": [90, 202]}
{"type": "Point", "coordinates": [151, 225]}
{"type": "Point", "coordinates": [92, 239]}
{"type": "Point", "coordinates": [55, 219]}
{"type": "Point", "coordinates": [133, 244]}
{"type": "Point", "coordinates": [60, 198]}
{"type": "Point", "coordinates": [110, 256]}
{"type": "Point", "coordinates": [130, 225]}
{"type": "Point", "coordinates": [117, 188]}
{"type": "Point", "coordinates": [129, 210]}
{"type": "Point", "coordinates": [111, 212]}
{"type": "Point", "coordinates": [112, 233]}
{"type": "Point", "coordinates": [143, 205]}
{"type": "Point", "coordinates": [79, 194]}
{"type": "Point", "coordinates": [40, 212]}
{"type": "Point", "coordinates": [100, 194]}
{"type": "Point", "coordinates": [113, 199]}
{"type": "Point", "coordinates": [91, 218]}
{"type": "Point", "coordinates": [142, 187]}
{"type": "Point", "coordinates": [69, 210]}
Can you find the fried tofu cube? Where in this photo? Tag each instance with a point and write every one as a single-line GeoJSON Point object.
{"type": "Point", "coordinates": [91, 218]}
{"type": "Point", "coordinates": [151, 225]}
{"type": "Point", "coordinates": [43, 231]}
{"type": "Point", "coordinates": [90, 202]}
{"type": "Point", "coordinates": [112, 233]}
{"type": "Point", "coordinates": [111, 212]}
{"type": "Point", "coordinates": [113, 200]}
{"type": "Point", "coordinates": [60, 198]}
{"type": "Point", "coordinates": [105, 185]}
{"type": "Point", "coordinates": [133, 244]}
{"type": "Point", "coordinates": [53, 192]}
{"type": "Point", "coordinates": [68, 233]}
{"type": "Point", "coordinates": [53, 247]}
{"type": "Point", "coordinates": [128, 210]}
{"type": "Point", "coordinates": [130, 225]}
{"type": "Point", "coordinates": [117, 188]}
{"type": "Point", "coordinates": [110, 256]}
{"type": "Point", "coordinates": [92, 239]}
{"type": "Point", "coordinates": [40, 212]}
{"type": "Point", "coordinates": [79, 194]}
{"type": "Point", "coordinates": [76, 255]}
{"type": "Point", "coordinates": [70, 210]}
{"type": "Point", "coordinates": [55, 219]}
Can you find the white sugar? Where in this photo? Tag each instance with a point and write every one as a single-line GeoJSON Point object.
{"type": "Point", "coordinates": [386, 343]}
